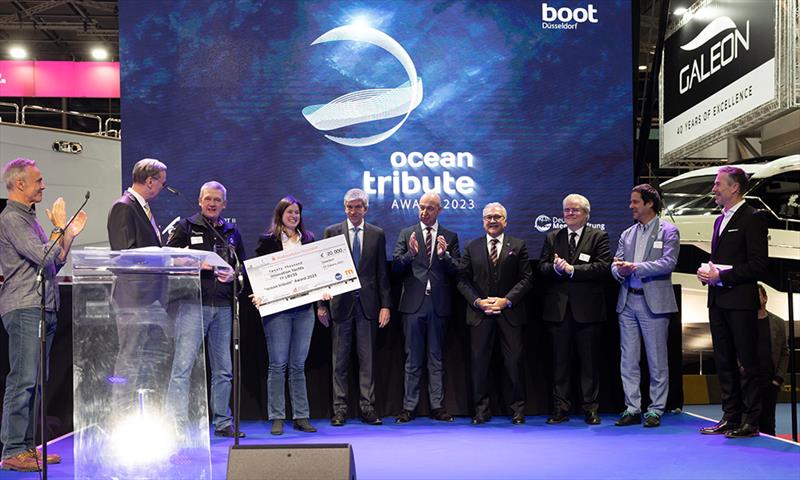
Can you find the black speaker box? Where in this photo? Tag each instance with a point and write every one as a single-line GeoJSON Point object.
{"type": "Point", "coordinates": [291, 462]}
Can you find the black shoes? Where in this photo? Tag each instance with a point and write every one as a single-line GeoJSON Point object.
{"type": "Point", "coordinates": [627, 418]}
{"type": "Point", "coordinates": [403, 417]}
{"type": "Point", "coordinates": [228, 432]}
{"type": "Point", "coordinates": [558, 416]}
{"type": "Point", "coordinates": [591, 417]}
{"type": "Point", "coordinates": [371, 418]}
{"type": "Point", "coordinates": [338, 420]}
{"type": "Point", "coordinates": [518, 419]}
{"type": "Point", "coordinates": [479, 420]}
{"type": "Point", "coordinates": [744, 431]}
{"type": "Point", "coordinates": [720, 428]}
{"type": "Point", "coordinates": [652, 419]}
{"type": "Point", "coordinates": [441, 415]}
{"type": "Point", "coordinates": [303, 425]}
{"type": "Point", "coordinates": [277, 427]}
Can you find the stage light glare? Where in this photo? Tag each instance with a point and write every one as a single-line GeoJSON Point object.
{"type": "Point", "coordinates": [679, 11]}
{"type": "Point", "coordinates": [642, 67]}
{"type": "Point", "coordinates": [706, 13]}
{"type": "Point", "coordinates": [360, 21]}
{"type": "Point", "coordinates": [99, 53]}
{"type": "Point", "coordinates": [142, 439]}
{"type": "Point", "coordinates": [17, 52]}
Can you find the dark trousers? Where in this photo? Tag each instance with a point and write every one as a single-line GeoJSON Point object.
{"type": "Point", "coordinates": [735, 337]}
{"type": "Point", "coordinates": [769, 397]}
{"type": "Point", "coordinates": [585, 338]}
{"type": "Point", "coordinates": [481, 343]}
{"type": "Point", "coordinates": [342, 333]}
{"type": "Point", "coordinates": [419, 328]}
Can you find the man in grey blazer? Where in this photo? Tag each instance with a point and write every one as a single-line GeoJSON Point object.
{"type": "Point", "coordinates": [643, 264]}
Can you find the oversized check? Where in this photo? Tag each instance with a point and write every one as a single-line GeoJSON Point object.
{"type": "Point", "coordinates": [295, 277]}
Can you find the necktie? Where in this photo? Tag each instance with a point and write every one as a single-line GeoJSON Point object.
{"type": "Point", "coordinates": [493, 252]}
{"type": "Point", "coordinates": [573, 244]}
{"type": "Point", "coordinates": [429, 244]}
{"type": "Point", "coordinates": [152, 221]}
{"type": "Point", "coordinates": [356, 246]}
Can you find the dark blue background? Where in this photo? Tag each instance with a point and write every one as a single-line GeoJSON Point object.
{"type": "Point", "coordinates": [215, 90]}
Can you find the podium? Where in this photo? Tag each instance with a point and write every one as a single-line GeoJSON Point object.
{"type": "Point", "coordinates": [139, 381]}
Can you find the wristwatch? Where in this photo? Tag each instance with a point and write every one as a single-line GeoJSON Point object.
{"type": "Point", "coordinates": [57, 231]}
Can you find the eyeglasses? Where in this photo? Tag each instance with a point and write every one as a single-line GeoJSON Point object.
{"type": "Point", "coordinates": [493, 218]}
{"type": "Point", "coordinates": [568, 211]}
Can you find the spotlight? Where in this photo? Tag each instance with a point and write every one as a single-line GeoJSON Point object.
{"type": "Point", "coordinates": [679, 11]}
{"type": "Point", "coordinates": [17, 52]}
{"type": "Point", "coordinates": [642, 68]}
{"type": "Point", "coordinates": [99, 53]}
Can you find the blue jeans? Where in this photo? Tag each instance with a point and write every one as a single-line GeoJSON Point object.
{"type": "Point", "coordinates": [288, 337]}
{"type": "Point", "coordinates": [637, 323]}
{"type": "Point", "coordinates": [19, 413]}
{"type": "Point", "coordinates": [188, 339]}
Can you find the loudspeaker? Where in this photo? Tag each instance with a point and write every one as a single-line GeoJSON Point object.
{"type": "Point", "coordinates": [291, 462]}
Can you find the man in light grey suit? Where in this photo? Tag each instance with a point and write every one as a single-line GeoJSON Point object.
{"type": "Point", "coordinates": [643, 264]}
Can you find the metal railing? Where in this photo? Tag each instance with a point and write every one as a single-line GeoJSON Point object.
{"type": "Point", "coordinates": [15, 107]}
{"type": "Point", "coordinates": [113, 133]}
{"type": "Point", "coordinates": [64, 112]}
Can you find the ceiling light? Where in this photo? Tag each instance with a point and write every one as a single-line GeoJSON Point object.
{"type": "Point", "coordinates": [679, 11]}
{"type": "Point", "coordinates": [642, 67]}
{"type": "Point", "coordinates": [99, 53]}
{"type": "Point", "coordinates": [17, 52]}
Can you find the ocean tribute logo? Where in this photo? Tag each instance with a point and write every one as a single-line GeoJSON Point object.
{"type": "Point", "coordinates": [365, 106]}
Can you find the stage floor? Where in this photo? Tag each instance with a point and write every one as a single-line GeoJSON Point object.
{"type": "Point", "coordinates": [424, 449]}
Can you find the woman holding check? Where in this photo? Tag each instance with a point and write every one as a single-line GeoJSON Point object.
{"type": "Point", "coordinates": [288, 333]}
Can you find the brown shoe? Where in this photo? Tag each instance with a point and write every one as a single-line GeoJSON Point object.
{"type": "Point", "coordinates": [21, 462]}
{"type": "Point", "coordinates": [37, 455]}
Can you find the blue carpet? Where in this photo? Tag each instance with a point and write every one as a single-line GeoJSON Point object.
{"type": "Point", "coordinates": [424, 449]}
{"type": "Point", "coordinates": [783, 415]}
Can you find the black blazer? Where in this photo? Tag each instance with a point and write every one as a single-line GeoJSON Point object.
{"type": "Point", "coordinates": [743, 245]}
{"type": "Point", "coordinates": [375, 292]}
{"type": "Point", "coordinates": [128, 225]}
{"type": "Point", "coordinates": [511, 278]}
{"type": "Point", "coordinates": [584, 291]}
{"type": "Point", "coordinates": [416, 270]}
{"type": "Point", "coordinates": [270, 243]}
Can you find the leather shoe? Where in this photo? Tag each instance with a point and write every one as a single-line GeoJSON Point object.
{"type": "Point", "coordinates": [441, 415]}
{"type": "Point", "coordinates": [746, 430]}
{"type": "Point", "coordinates": [226, 432]}
{"type": "Point", "coordinates": [371, 418]}
{"type": "Point", "coordinates": [277, 427]}
{"type": "Point", "coordinates": [720, 428]}
{"type": "Point", "coordinates": [558, 416]}
{"type": "Point", "coordinates": [338, 420]}
{"type": "Point", "coordinates": [303, 425]}
{"type": "Point", "coordinates": [403, 417]}
{"type": "Point", "coordinates": [478, 420]}
{"type": "Point", "coordinates": [518, 419]}
{"type": "Point", "coordinates": [592, 418]}
{"type": "Point", "coordinates": [652, 419]}
{"type": "Point", "coordinates": [627, 418]}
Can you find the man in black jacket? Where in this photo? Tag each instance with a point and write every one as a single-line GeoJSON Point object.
{"type": "Point", "coordinates": [360, 313]}
{"type": "Point", "coordinates": [575, 262]}
{"type": "Point", "coordinates": [217, 294]}
{"type": "Point", "coordinates": [494, 277]}
{"type": "Point", "coordinates": [738, 260]}
{"type": "Point", "coordinates": [425, 256]}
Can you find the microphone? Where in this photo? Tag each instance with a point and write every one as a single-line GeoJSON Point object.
{"type": "Point", "coordinates": [88, 194]}
{"type": "Point", "coordinates": [173, 191]}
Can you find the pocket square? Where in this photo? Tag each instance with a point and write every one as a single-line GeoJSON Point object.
{"type": "Point", "coordinates": [733, 230]}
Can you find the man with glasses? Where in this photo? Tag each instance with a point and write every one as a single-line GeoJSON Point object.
{"type": "Point", "coordinates": [359, 313]}
{"type": "Point", "coordinates": [494, 276]}
{"type": "Point", "coordinates": [575, 262]}
{"type": "Point", "coordinates": [425, 258]}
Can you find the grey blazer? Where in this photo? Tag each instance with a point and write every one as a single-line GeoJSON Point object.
{"type": "Point", "coordinates": [655, 270]}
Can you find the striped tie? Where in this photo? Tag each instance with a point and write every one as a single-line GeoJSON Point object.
{"type": "Point", "coordinates": [152, 221]}
{"type": "Point", "coordinates": [429, 244]}
{"type": "Point", "coordinates": [493, 252]}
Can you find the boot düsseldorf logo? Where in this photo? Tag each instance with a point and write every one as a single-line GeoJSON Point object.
{"type": "Point", "coordinates": [365, 106]}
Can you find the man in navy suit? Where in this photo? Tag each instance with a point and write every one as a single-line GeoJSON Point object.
{"type": "Point", "coordinates": [646, 256]}
{"type": "Point", "coordinates": [494, 276]}
{"type": "Point", "coordinates": [361, 312]}
{"type": "Point", "coordinates": [131, 223]}
{"type": "Point", "coordinates": [738, 260]}
{"type": "Point", "coordinates": [424, 256]}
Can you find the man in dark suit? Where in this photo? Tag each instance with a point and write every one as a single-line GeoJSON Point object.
{"type": "Point", "coordinates": [131, 223]}
{"type": "Point", "coordinates": [361, 312]}
{"type": "Point", "coordinates": [425, 257]}
{"type": "Point", "coordinates": [575, 262]}
{"type": "Point", "coordinates": [494, 276]}
{"type": "Point", "coordinates": [738, 260]}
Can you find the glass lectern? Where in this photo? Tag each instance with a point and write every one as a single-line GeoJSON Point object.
{"type": "Point", "coordinates": [140, 402]}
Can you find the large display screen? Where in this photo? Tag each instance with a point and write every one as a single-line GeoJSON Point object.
{"type": "Point", "coordinates": [519, 102]}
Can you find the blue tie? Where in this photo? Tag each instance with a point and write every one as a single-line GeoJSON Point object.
{"type": "Point", "coordinates": [356, 246]}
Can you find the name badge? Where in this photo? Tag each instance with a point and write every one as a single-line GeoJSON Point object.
{"type": "Point", "coordinates": [583, 257]}
{"type": "Point", "coordinates": [658, 244]}
{"type": "Point", "coordinates": [196, 240]}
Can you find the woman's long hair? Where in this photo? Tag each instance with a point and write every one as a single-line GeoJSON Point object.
{"type": "Point", "coordinates": [277, 228]}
